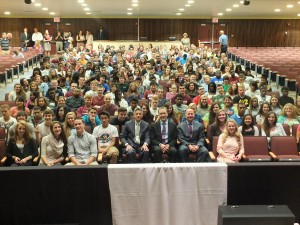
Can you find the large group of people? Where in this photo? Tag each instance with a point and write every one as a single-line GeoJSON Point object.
{"type": "Point", "coordinates": [138, 102]}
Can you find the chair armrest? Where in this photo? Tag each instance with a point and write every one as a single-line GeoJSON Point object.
{"type": "Point", "coordinates": [212, 156]}
{"type": "Point", "coordinates": [3, 160]}
{"type": "Point", "coordinates": [273, 156]}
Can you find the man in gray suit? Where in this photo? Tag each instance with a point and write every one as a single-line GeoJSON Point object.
{"type": "Point", "coordinates": [191, 137]}
{"type": "Point", "coordinates": [25, 38]}
{"type": "Point", "coordinates": [136, 138]}
{"type": "Point", "coordinates": [163, 135]}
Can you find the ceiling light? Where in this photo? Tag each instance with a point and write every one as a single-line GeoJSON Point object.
{"type": "Point", "coordinates": [235, 5]}
{"type": "Point", "coordinates": [83, 5]}
{"type": "Point", "coordinates": [45, 9]}
{"type": "Point", "coordinates": [190, 1]}
{"type": "Point", "coordinates": [37, 4]}
{"type": "Point", "coordinates": [220, 14]}
{"type": "Point", "coordinates": [135, 5]}
{"type": "Point", "coordinates": [187, 5]}
{"type": "Point", "coordinates": [299, 2]}
{"type": "Point", "coordinates": [129, 13]}
{"type": "Point", "coordinates": [52, 13]}
{"type": "Point", "coordinates": [80, 1]}
{"type": "Point", "coordinates": [129, 9]}
{"type": "Point", "coordinates": [7, 13]}
{"type": "Point", "coordinates": [88, 13]}
{"type": "Point", "coordinates": [277, 10]}
{"type": "Point", "coordinates": [86, 9]}
{"type": "Point", "coordinates": [135, 1]}
{"type": "Point", "coordinates": [298, 14]}
{"type": "Point", "coordinates": [289, 6]}
{"type": "Point", "coordinates": [181, 9]}
{"type": "Point", "coordinates": [178, 14]}
{"type": "Point", "coordinates": [242, 2]}
{"type": "Point", "coordinates": [228, 10]}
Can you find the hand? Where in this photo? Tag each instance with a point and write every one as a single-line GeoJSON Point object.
{"type": "Point", "coordinates": [93, 119]}
{"type": "Point", "coordinates": [145, 148]}
{"type": "Point", "coordinates": [23, 161]}
{"type": "Point", "coordinates": [50, 163]}
{"type": "Point", "coordinates": [17, 160]}
{"type": "Point", "coordinates": [37, 130]}
{"type": "Point", "coordinates": [238, 157]}
{"type": "Point", "coordinates": [128, 148]}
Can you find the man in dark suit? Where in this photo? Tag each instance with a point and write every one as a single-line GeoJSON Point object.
{"type": "Point", "coordinates": [163, 135]}
{"type": "Point", "coordinates": [102, 34]}
{"type": "Point", "coordinates": [191, 137]}
{"type": "Point", "coordinates": [25, 38]}
{"type": "Point", "coordinates": [136, 138]}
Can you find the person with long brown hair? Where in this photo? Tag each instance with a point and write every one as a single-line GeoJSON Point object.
{"type": "Point", "coordinates": [54, 146]}
{"type": "Point", "coordinates": [230, 144]}
{"type": "Point", "coordinates": [270, 127]}
{"type": "Point", "coordinates": [22, 148]}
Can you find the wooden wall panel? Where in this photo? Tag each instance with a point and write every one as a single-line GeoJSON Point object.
{"type": "Point", "coordinates": [251, 33]}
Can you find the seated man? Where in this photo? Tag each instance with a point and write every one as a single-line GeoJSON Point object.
{"type": "Point", "coordinates": [83, 110]}
{"type": "Point", "coordinates": [91, 119]}
{"type": "Point", "coordinates": [191, 137]}
{"type": "Point", "coordinates": [37, 117]}
{"type": "Point", "coordinates": [6, 120]}
{"type": "Point", "coordinates": [241, 112]}
{"type": "Point", "coordinates": [106, 135]}
{"type": "Point", "coordinates": [82, 146]}
{"type": "Point", "coordinates": [75, 101]}
{"type": "Point", "coordinates": [112, 109]}
{"type": "Point", "coordinates": [121, 119]}
{"type": "Point", "coordinates": [136, 138]}
{"type": "Point", "coordinates": [163, 135]}
{"type": "Point", "coordinates": [43, 129]}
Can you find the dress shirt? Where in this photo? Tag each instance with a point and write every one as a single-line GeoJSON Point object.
{"type": "Point", "coordinates": [162, 123]}
{"type": "Point", "coordinates": [37, 37]}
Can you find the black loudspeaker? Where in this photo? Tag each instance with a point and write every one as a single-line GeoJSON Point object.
{"type": "Point", "coordinates": [255, 215]}
{"type": "Point", "coordinates": [28, 1]}
{"type": "Point", "coordinates": [143, 38]}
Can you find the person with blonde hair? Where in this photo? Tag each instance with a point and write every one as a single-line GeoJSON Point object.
{"type": "Point", "coordinates": [22, 148]}
{"type": "Point", "coordinates": [289, 115]}
{"type": "Point", "coordinates": [69, 124]}
{"type": "Point", "coordinates": [230, 144]}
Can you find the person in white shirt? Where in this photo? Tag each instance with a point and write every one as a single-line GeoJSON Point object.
{"type": "Point", "coordinates": [37, 36]}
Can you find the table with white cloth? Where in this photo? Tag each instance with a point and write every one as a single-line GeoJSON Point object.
{"type": "Point", "coordinates": [162, 194]}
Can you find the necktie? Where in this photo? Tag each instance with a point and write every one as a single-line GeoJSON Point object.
{"type": "Point", "coordinates": [190, 130]}
{"type": "Point", "coordinates": [163, 133]}
{"type": "Point", "coordinates": [137, 133]}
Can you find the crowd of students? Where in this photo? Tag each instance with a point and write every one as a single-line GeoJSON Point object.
{"type": "Point", "coordinates": [140, 89]}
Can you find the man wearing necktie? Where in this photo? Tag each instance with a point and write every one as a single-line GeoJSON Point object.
{"type": "Point", "coordinates": [136, 138]}
{"type": "Point", "coordinates": [191, 137]}
{"type": "Point", "coordinates": [25, 38]}
{"type": "Point", "coordinates": [163, 135]}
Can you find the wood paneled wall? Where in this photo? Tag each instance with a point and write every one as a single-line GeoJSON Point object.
{"type": "Point", "coordinates": [241, 32]}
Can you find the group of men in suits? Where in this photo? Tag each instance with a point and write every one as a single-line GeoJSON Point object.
{"type": "Point", "coordinates": [138, 138]}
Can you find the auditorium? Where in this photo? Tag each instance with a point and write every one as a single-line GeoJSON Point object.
{"type": "Point", "coordinates": [137, 112]}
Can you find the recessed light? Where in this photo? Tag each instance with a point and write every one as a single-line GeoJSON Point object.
{"type": "Point", "coordinates": [45, 9]}
{"type": "Point", "coordinates": [37, 4]}
{"type": "Point", "coordinates": [86, 9]}
{"type": "Point", "coordinates": [277, 10]}
{"type": "Point", "coordinates": [52, 13]}
{"type": "Point", "coordinates": [135, 5]}
{"type": "Point", "coordinates": [178, 14]}
{"type": "Point", "coordinates": [83, 4]}
{"type": "Point", "coordinates": [235, 5]}
{"type": "Point", "coordinates": [135, 1]}
{"type": "Point", "coordinates": [7, 13]}
{"type": "Point", "coordinates": [80, 1]}
{"type": "Point", "coordinates": [129, 9]}
{"type": "Point", "coordinates": [228, 10]}
{"type": "Point", "coordinates": [242, 2]}
{"type": "Point", "coordinates": [289, 6]}
{"type": "Point", "coordinates": [299, 2]}
{"type": "Point", "coordinates": [181, 9]}
{"type": "Point", "coordinates": [298, 14]}
{"type": "Point", "coordinates": [190, 1]}
{"type": "Point", "coordinates": [129, 13]}
{"type": "Point", "coordinates": [220, 14]}
{"type": "Point", "coordinates": [187, 5]}
{"type": "Point", "coordinates": [88, 13]}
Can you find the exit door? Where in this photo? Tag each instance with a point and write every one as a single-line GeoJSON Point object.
{"type": "Point", "coordinates": [208, 33]}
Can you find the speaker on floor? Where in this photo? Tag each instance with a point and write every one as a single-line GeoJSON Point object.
{"type": "Point", "coordinates": [28, 1]}
{"type": "Point", "coordinates": [255, 215]}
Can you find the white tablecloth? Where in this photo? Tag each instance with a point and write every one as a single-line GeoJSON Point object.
{"type": "Point", "coordinates": [167, 194]}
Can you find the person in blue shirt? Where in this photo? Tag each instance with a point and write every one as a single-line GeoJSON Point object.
{"type": "Point", "coordinates": [91, 119]}
{"type": "Point", "coordinates": [223, 39]}
{"type": "Point", "coordinates": [218, 78]}
{"type": "Point", "coordinates": [241, 112]}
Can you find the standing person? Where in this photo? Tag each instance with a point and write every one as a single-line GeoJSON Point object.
{"type": "Point", "coordinates": [185, 41]}
{"type": "Point", "coordinates": [4, 44]}
{"type": "Point", "coordinates": [191, 137]}
{"type": "Point", "coordinates": [106, 135]}
{"type": "Point", "coordinates": [37, 36]}
{"type": "Point", "coordinates": [59, 41]}
{"type": "Point", "coordinates": [89, 40]}
{"type": "Point", "coordinates": [223, 39]}
{"type": "Point", "coordinates": [163, 135]}
{"type": "Point", "coordinates": [102, 34]}
{"type": "Point", "coordinates": [136, 138]}
{"type": "Point", "coordinates": [230, 144]}
{"type": "Point", "coordinates": [21, 148]}
{"type": "Point", "coordinates": [82, 146]}
{"type": "Point", "coordinates": [25, 38]}
{"type": "Point", "coordinates": [54, 146]}
{"type": "Point", "coordinates": [80, 39]}
{"type": "Point", "coordinates": [47, 44]}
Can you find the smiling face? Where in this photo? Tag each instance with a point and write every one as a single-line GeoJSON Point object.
{"type": "Point", "coordinates": [231, 128]}
{"type": "Point", "coordinates": [56, 129]}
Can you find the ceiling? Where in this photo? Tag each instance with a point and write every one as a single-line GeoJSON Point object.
{"type": "Point", "coordinates": [150, 9]}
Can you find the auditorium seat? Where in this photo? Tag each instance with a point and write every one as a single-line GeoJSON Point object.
{"type": "Point", "coordinates": [10, 103]}
{"type": "Point", "coordinates": [256, 149]}
{"type": "Point", "coordinates": [287, 129]}
{"type": "Point", "coordinates": [284, 149]}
